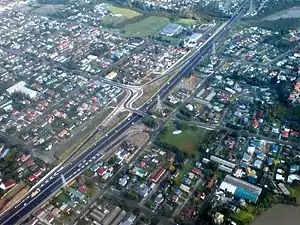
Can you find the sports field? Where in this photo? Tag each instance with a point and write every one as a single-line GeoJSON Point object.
{"type": "Point", "coordinates": [128, 13]}
{"type": "Point", "coordinates": [188, 141]}
{"type": "Point", "coordinates": [148, 26]}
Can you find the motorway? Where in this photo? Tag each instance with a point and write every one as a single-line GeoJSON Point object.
{"type": "Point", "coordinates": [72, 169]}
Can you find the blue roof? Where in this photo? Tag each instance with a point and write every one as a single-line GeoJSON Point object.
{"type": "Point", "coordinates": [5, 152]}
{"type": "Point", "coordinates": [270, 161]}
{"type": "Point", "coordinates": [274, 148]}
{"type": "Point", "coordinates": [177, 191]}
{"type": "Point", "coordinates": [242, 193]}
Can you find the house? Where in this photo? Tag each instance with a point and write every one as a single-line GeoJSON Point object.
{"type": "Point", "coordinates": [255, 123]}
{"type": "Point", "coordinates": [123, 181]}
{"type": "Point", "coordinates": [8, 184]}
{"type": "Point", "coordinates": [196, 171]}
{"type": "Point", "coordinates": [65, 208]}
{"type": "Point", "coordinates": [144, 191]}
{"type": "Point", "coordinates": [62, 133]}
{"type": "Point", "coordinates": [24, 157]}
{"type": "Point", "coordinates": [260, 155]}
{"type": "Point", "coordinates": [174, 198]}
{"type": "Point", "coordinates": [211, 183]}
{"type": "Point", "coordinates": [139, 172]}
{"type": "Point", "coordinates": [198, 164]}
{"type": "Point", "coordinates": [218, 218]}
{"type": "Point", "coordinates": [171, 157]}
{"type": "Point", "coordinates": [294, 168]}
{"type": "Point", "coordinates": [246, 158]}
{"type": "Point", "coordinates": [30, 162]}
{"type": "Point", "coordinates": [184, 188]}
{"type": "Point", "coordinates": [77, 194]}
{"type": "Point", "coordinates": [72, 203]}
{"type": "Point", "coordinates": [157, 174]}
{"type": "Point", "coordinates": [159, 199]}
{"type": "Point", "coordinates": [187, 181]}
{"type": "Point", "coordinates": [257, 164]}
{"type": "Point", "coordinates": [101, 171]}
{"type": "Point", "coordinates": [274, 148]}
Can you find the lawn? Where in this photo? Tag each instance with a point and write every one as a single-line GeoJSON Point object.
{"type": "Point", "coordinates": [188, 141]}
{"type": "Point", "coordinates": [148, 26]}
{"type": "Point", "coordinates": [186, 22]}
{"type": "Point", "coordinates": [128, 13]}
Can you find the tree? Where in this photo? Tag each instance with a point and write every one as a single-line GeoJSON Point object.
{"type": "Point", "coordinates": [11, 155]}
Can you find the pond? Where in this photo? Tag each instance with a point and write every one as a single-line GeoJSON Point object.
{"type": "Point", "coordinates": [279, 215]}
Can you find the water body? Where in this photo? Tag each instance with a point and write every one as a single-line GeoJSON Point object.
{"type": "Point", "coordinates": [284, 14]}
{"type": "Point", "coordinates": [279, 215]}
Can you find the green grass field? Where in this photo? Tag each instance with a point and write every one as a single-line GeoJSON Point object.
{"type": "Point", "coordinates": [188, 141]}
{"type": "Point", "coordinates": [128, 13]}
{"type": "Point", "coordinates": [186, 22]}
{"type": "Point", "coordinates": [148, 26]}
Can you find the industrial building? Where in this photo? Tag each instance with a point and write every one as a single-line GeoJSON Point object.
{"type": "Point", "coordinates": [222, 161]}
{"type": "Point", "coordinates": [240, 188]}
{"type": "Point", "coordinates": [193, 40]}
{"type": "Point", "coordinates": [171, 29]}
{"type": "Point", "coordinates": [20, 87]}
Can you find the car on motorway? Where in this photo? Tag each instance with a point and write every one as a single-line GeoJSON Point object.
{"type": "Point", "coordinates": [35, 192]}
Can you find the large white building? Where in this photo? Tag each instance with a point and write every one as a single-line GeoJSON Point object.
{"type": "Point", "coordinates": [193, 40]}
{"type": "Point", "coordinates": [20, 87]}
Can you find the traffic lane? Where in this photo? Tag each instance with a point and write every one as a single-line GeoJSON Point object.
{"type": "Point", "coordinates": [69, 171]}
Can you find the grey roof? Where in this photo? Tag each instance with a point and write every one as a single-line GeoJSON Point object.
{"type": "Point", "coordinates": [171, 28]}
{"type": "Point", "coordinates": [243, 184]}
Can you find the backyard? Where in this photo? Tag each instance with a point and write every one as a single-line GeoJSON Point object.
{"type": "Point", "coordinates": [148, 26]}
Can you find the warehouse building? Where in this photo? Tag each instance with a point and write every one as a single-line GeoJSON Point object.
{"type": "Point", "coordinates": [240, 188]}
{"type": "Point", "coordinates": [171, 29]}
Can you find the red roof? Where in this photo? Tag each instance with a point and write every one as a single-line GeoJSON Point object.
{"type": "Point", "coordinates": [143, 164]}
{"type": "Point", "coordinates": [285, 134]}
{"type": "Point", "coordinates": [82, 188]}
{"type": "Point", "coordinates": [25, 157]}
{"type": "Point", "coordinates": [14, 111]}
{"type": "Point", "coordinates": [29, 162]}
{"type": "Point", "coordinates": [171, 157]}
{"type": "Point", "coordinates": [157, 174]}
{"type": "Point", "coordinates": [101, 171]}
{"type": "Point", "coordinates": [255, 123]}
{"type": "Point", "coordinates": [31, 178]}
{"type": "Point", "coordinates": [196, 171]}
{"type": "Point", "coordinates": [9, 184]}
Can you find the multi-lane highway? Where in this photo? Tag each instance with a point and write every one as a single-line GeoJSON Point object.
{"type": "Point", "coordinates": [70, 170]}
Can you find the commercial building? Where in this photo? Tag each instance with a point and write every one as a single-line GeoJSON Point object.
{"type": "Point", "coordinates": [240, 188]}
